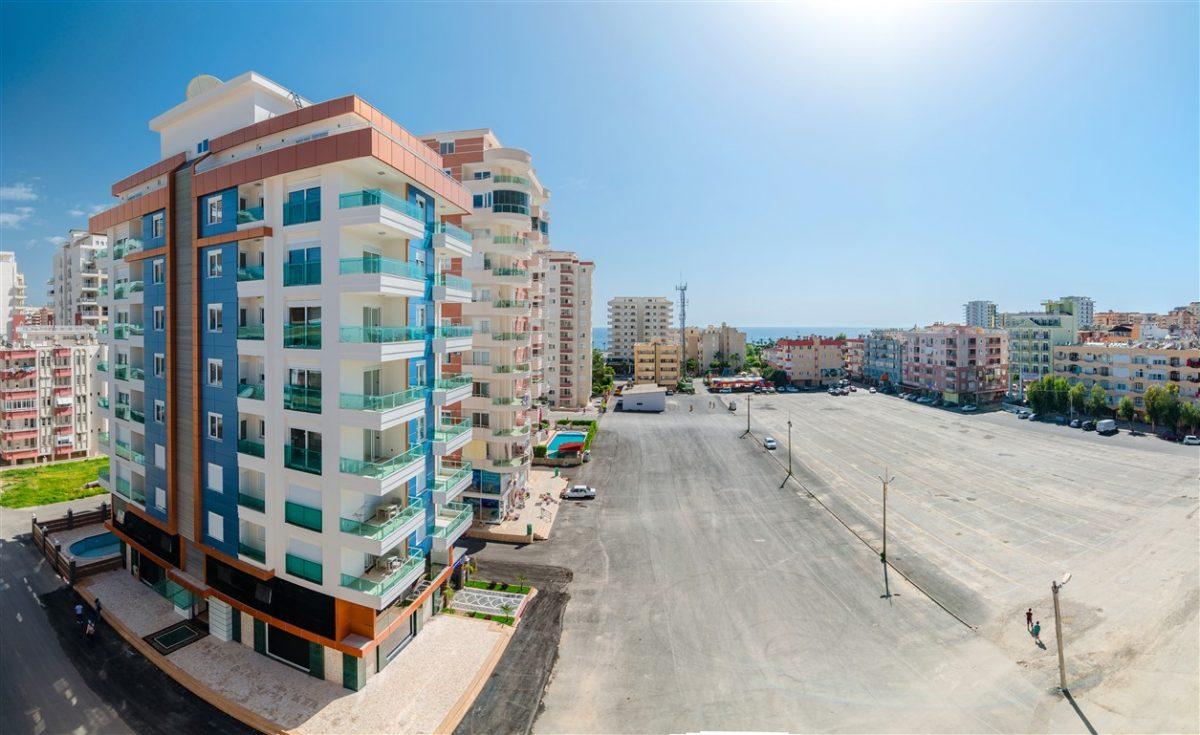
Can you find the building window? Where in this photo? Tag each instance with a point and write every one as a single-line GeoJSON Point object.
{"type": "Point", "coordinates": [160, 318]}
{"type": "Point", "coordinates": [160, 364]}
{"type": "Point", "coordinates": [446, 148]}
{"type": "Point", "coordinates": [215, 369]}
{"type": "Point", "coordinates": [214, 209]}
{"type": "Point", "coordinates": [447, 171]}
{"type": "Point", "coordinates": [216, 478]}
{"type": "Point", "coordinates": [160, 456]}
{"type": "Point", "coordinates": [202, 146]}
{"type": "Point", "coordinates": [482, 200]}
{"type": "Point", "coordinates": [216, 527]}
{"type": "Point", "coordinates": [214, 264]}
{"type": "Point", "coordinates": [160, 411]}
{"type": "Point", "coordinates": [215, 321]}
{"type": "Point", "coordinates": [159, 269]}
{"type": "Point", "coordinates": [481, 175]}
{"type": "Point", "coordinates": [160, 498]}
{"type": "Point", "coordinates": [158, 225]}
{"type": "Point", "coordinates": [216, 426]}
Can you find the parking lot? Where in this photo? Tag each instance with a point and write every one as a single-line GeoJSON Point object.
{"type": "Point", "coordinates": [708, 595]}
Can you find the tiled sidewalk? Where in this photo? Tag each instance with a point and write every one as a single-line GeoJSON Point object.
{"type": "Point", "coordinates": [428, 681]}
{"type": "Point", "coordinates": [538, 510]}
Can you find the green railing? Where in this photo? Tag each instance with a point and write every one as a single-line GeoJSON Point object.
{"type": "Point", "coordinates": [307, 273]}
{"type": "Point", "coordinates": [450, 280]}
{"type": "Point", "coordinates": [452, 331]}
{"type": "Point", "coordinates": [298, 213]}
{"type": "Point", "coordinates": [175, 593]}
{"type": "Point", "coordinates": [122, 412]}
{"type": "Point", "coordinates": [257, 391]}
{"type": "Point", "coordinates": [455, 382]}
{"type": "Point", "coordinates": [102, 402]}
{"type": "Point", "coordinates": [511, 240]}
{"type": "Point", "coordinates": [520, 367]}
{"type": "Point", "coordinates": [251, 273]}
{"type": "Point", "coordinates": [384, 467]}
{"type": "Point", "coordinates": [449, 427]}
{"type": "Point", "coordinates": [102, 366]}
{"type": "Point", "coordinates": [126, 246]}
{"type": "Point", "coordinates": [120, 291]}
{"type": "Point", "coordinates": [374, 265]}
{"type": "Point", "coordinates": [302, 398]}
{"type": "Point", "coordinates": [252, 502]}
{"type": "Point", "coordinates": [385, 402]}
{"type": "Point", "coordinates": [125, 490]}
{"type": "Point", "coordinates": [379, 531]}
{"type": "Point", "coordinates": [380, 587]}
{"type": "Point", "coordinates": [510, 179]}
{"type": "Point", "coordinates": [252, 552]}
{"type": "Point", "coordinates": [371, 197]}
{"type": "Point", "coordinates": [452, 230]}
{"type": "Point", "coordinates": [303, 459]}
{"type": "Point", "coordinates": [122, 372]}
{"type": "Point", "coordinates": [511, 208]}
{"type": "Point", "coordinates": [508, 336]}
{"type": "Point", "coordinates": [251, 214]}
{"type": "Point", "coordinates": [125, 331]}
{"type": "Point", "coordinates": [138, 416]}
{"type": "Point", "coordinates": [516, 431]}
{"type": "Point", "coordinates": [103, 438]}
{"type": "Point", "coordinates": [251, 447]}
{"type": "Point", "coordinates": [381, 335]}
{"type": "Point", "coordinates": [104, 476]}
{"type": "Point", "coordinates": [304, 516]}
{"type": "Point", "coordinates": [510, 462]}
{"type": "Point", "coordinates": [135, 286]}
{"type": "Point", "coordinates": [137, 374]}
{"type": "Point", "coordinates": [303, 568]}
{"type": "Point", "coordinates": [302, 336]}
{"type": "Point", "coordinates": [452, 517]}
{"type": "Point", "coordinates": [252, 331]}
{"type": "Point", "coordinates": [510, 304]}
{"type": "Point", "coordinates": [501, 271]}
{"type": "Point", "coordinates": [450, 473]}
{"type": "Point", "coordinates": [501, 401]}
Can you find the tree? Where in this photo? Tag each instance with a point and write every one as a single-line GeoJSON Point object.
{"type": "Point", "coordinates": [1189, 418]}
{"type": "Point", "coordinates": [1126, 410]}
{"type": "Point", "coordinates": [1061, 389]}
{"type": "Point", "coordinates": [602, 374]}
{"type": "Point", "coordinates": [777, 376]}
{"type": "Point", "coordinates": [1162, 405]}
{"type": "Point", "coordinates": [692, 367]}
{"type": "Point", "coordinates": [1040, 394]}
{"type": "Point", "coordinates": [1077, 397]}
{"type": "Point", "coordinates": [1097, 402]}
{"type": "Point", "coordinates": [841, 336]}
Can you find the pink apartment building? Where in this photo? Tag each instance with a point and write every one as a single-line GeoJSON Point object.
{"type": "Point", "coordinates": [961, 364]}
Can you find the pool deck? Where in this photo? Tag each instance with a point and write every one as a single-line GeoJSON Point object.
{"type": "Point", "coordinates": [70, 536]}
{"type": "Point", "coordinates": [539, 510]}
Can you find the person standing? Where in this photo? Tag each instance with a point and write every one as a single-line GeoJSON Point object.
{"type": "Point", "coordinates": [1029, 619]}
{"type": "Point", "coordinates": [1036, 631]}
{"type": "Point", "coordinates": [79, 613]}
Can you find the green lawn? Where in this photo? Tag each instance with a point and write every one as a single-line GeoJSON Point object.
{"type": "Point", "coordinates": [21, 488]}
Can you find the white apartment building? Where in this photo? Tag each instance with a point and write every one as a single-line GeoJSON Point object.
{"type": "Point", "coordinates": [12, 292]}
{"type": "Point", "coordinates": [1082, 307]}
{"type": "Point", "coordinates": [567, 316]}
{"type": "Point", "coordinates": [46, 385]}
{"type": "Point", "coordinates": [637, 319]}
{"type": "Point", "coordinates": [286, 420]}
{"type": "Point", "coordinates": [76, 281]}
{"type": "Point", "coordinates": [980, 314]}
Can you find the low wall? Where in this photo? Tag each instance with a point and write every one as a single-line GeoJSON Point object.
{"type": "Point", "coordinates": [63, 565]}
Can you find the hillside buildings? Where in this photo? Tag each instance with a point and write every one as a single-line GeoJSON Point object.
{"type": "Point", "coordinates": [46, 386]}
{"type": "Point", "coordinates": [811, 361]}
{"type": "Point", "coordinates": [1128, 370]}
{"type": "Point", "coordinates": [714, 345]}
{"type": "Point", "coordinates": [958, 363]}
{"type": "Point", "coordinates": [76, 281]}
{"type": "Point", "coordinates": [287, 375]}
{"type": "Point", "coordinates": [979, 314]}
{"type": "Point", "coordinates": [567, 315]}
{"type": "Point", "coordinates": [636, 320]}
{"type": "Point", "coordinates": [12, 292]}
{"type": "Point", "coordinates": [657, 361]}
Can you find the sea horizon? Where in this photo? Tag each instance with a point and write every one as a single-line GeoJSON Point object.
{"type": "Point", "coordinates": [757, 334]}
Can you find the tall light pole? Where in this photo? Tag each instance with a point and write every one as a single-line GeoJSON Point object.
{"type": "Point", "coordinates": [1062, 666]}
{"type": "Point", "coordinates": [789, 474]}
{"type": "Point", "coordinates": [747, 415]}
{"type": "Point", "coordinates": [885, 479]}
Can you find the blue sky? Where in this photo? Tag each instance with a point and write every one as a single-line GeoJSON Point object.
{"type": "Point", "coordinates": [824, 164]}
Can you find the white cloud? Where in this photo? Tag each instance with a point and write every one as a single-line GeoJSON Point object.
{"type": "Point", "coordinates": [18, 192]}
{"type": "Point", "coordinates": [82, 211]}
{"type": "Point", "coordinates": [15, 218]}
{"type": "Point", "coordinates": [56, 240]}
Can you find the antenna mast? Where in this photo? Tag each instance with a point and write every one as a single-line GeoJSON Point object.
{"type": "Point", "coordinates": [682, 289]}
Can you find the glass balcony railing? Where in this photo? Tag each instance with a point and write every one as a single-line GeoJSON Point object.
{"type": "Point", "coordinates": [508, 461]}
{"type": "Point", "coordinates": [450, 280]}
{"type": "Point", "coordinates": [510, 304]}
{"type": "Point", "coordinates": [138, 416]}
{"type": "Point", "coordinates": [384, 402]}
{"type": "Point", "coordinates": [515, 431]}
{"type": "Point", "coordinates": [251, 447]}
{"type": "Point", "coordinates": [122, 372]}
{"type": "Point", "coordinates": [452, 230]}
{"type": "Point", "coordinates": [257, 391]}
{"type": "Point", "coordinates": [388, 266]}
{"type": "Point", "coordinates": [520, 367]}
{"type": "Point", "coordinates": [452, 330]}
{"type": "Point", "coordinates": [298, 213]}
{"type": "Point", "coordinates": [251, 214]}
{"type": "Point", "coordinates": [253, 502]}
{"type": "Point", "coordinates": [102, 402]}
{"type": "Point", "coordinates": [252, 331]}
{"type": "Point", "coordinates": [380, 585]}
{"type": "Point", "coordinates": [508, 336]}
{"type": "Point", "coordinates": [381, 335]}
{"type": "Point", "coordinates": [303, 568]}
{"type": "Point", "coordinates": [504, 271]}
{"type": "Point", "coordinates": [449, 427]}
{"type": "Point", "coordinates": [502, 401]}
{"type": "Point", "coordinates": [125, 331]}
{"type": "Point", "coordinates": [372, 197]}
{"type": "Point", "coordinates": [511, 240]}
{"type": "Point", "coordinates": [378, 530]}
{"type": "Point", "coordinates": [304, 516]}
{"type": "Point", "coordinates": [124, 247]}
{"type": "Point", "coordinates": [102, 366]}
{"type": "Point", "coordinates": [302, 336]}
{"type": "Point", "coordinates": [252, 552]}
{"type": "Point", "coordinates": [102, 437]}
{"type": "Point", "coordinates": [104, 476]}
{"type": "Point", "coordinates": [307, 273]}
{"type": "Point", "coordinates": [450, 518]}
{"type": "Point", "coordinates": [302, 398]}
{"type": "Point", "coordinates": [251, 273]}
{"type": "Point", "coordinates": [122, 412]}
{"type": "Point", "coordinates": [453, 382]}
{"type": "Point", "coordinates": [510, 208]}
{"type": "Point", "coordinates": [383, 467]}
{"type": "Point", "coordinates": [510, 179]}
{"type": "Point", "coordinates": [450, 473]}
{"type": "Point", "coordinates": [127, 491]}
{"type": "Point", "coordinates": [302, 459]}
{"type": "Point", "coordinates": [137, 374]}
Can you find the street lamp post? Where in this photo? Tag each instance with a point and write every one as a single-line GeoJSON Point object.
{"type": "Point", "coordinates": [747, 415]}
{"type": "Point", "coordinates": [1062, 667]}
{"type": "Point", "coordinates": [885, 479]}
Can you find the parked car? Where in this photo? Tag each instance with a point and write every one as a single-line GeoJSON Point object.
{"type": "Point", "coordinates": [793, 389]}
{"type": "Point", "coordinates": [1075, 423]}
{"type": "Point", "coordinates": [1088, 425]}
{"type": "Point", "coordinates": [853, 389]}
{"type": "Point", "coordinates": [1033, 417]}
{"type": "Point", "coordinates": [871, 390]}
{"type": "Point", "coordinates": [1192, 440]}
{"type": "Point", "coordinates": [726, 390]}
{"type": "Point", "coordinates": [1169, 436]}
{"type": "Point", "coordinates": [969, 408]}
{"type": "Point", "coordinates": [1106, 427]}
{"type": "Point", "coordinates": [670, 392]}
{"type": "Point", "coordinates": [579, 492]}
{"type": "Point", "coordinates": [1060, 420]}
{"type": "Point", "coordinates": [769, 443]}
{"type": "Point", "coordinates": [733, 405]}
{"type": "Point", "coordinates": [758, 389]}
{"type": "Point", "coordinates": [1022, 414]}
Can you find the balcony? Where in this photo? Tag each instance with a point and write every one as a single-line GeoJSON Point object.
{"type": "Point", "coordinates": [384, 467]}
{"type": "Point", "coordinates": [302, 459]}
{"type": "Point", "coordinates": [449, 338]}
{"type": "Point", "coordinates": [388, 577]}
{"type": "Point", "coordinates": [508, 402]}
{"type": "Point", "coordinates": [451, 479]}
{"type": "Point", "coordinates": [303, 568]}
{"type": "Point", "coordinates": [515, 370]}
{"type": "Point", "coordinates": [304, 516]}
{"type": "Point", "coordinates": [251, 273]}
{"type": "Point", "coordinates": [302, 398]}
{"type": "Point", "coordinates": [389, 276]}
{"type": "Point", "coordinates": [130, 493]}
{"type": "Point", "coordinates": [307, 273]}
{"type": "Point", "coordinates": [387, 525]}
{"type": "Point", "coordinates": [451, 389]}
{"type": "Point", "coordinates": [451, 288]}
{"type": "Point", "coordinates": [105, 479]}
{"type": "Point", "coordinates": [126, 246]}
{"type": "Point", "coordinates": [137, 416]}
{"type": "Point", "coordinates": [253, 391]}
{"type": "Point", "coordinates": [450, 434]}
{"type": "Point", "coordinates": [371, 208]}
{"type": "Point", "coordinates": [122, 372]}
{"type": "Point", "coordinates": [511, 244]}
{"type": "Point", "coordinates": [383, 411]}
{"type": "Point", "coordinates": [302, 336]}
{"type": "Point", "coordinates": [452, 239]}
{"type": "Point", "coordinates": [252, 552]}
{"type": "Point", "coordinates": [122, 411]}
{"type": "Point", "coordinates": [382, 343]}
{"type": "Point", "coordinates": [517, 432]}
{"type": "Point", "coordinates": [102, 402]}
{"type": "Point", "coordinates": [102, 366]}
{"type": "Point", "coordinates": [301, 212]}
{"type": "Point", "coordinates": [125, 331]}
{"type": "Point", "coordinates": [251, 215]}
{"type": "Point", "coordinates": [450, 523]}
{"type": "Point", "coordinates": [253, 502]}
{"type": "Point", "coordinates": [251, 447]}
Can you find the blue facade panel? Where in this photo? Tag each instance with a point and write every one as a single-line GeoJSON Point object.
{"type": "Point", "coordinates": [224, 215]}
{"type": "Point", "coordinates": [220, 400]}
{"type": "Point", "coordinates": [154, 230]}
{"type": "Point", "coordinates": [155, 342]}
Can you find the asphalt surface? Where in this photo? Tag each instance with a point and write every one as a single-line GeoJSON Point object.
{"type": "Point", "coordinates": [52, 680]}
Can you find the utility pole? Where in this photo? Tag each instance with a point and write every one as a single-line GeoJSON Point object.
{"type": "Point", "coordinates": [747, 415]}
{"type": "Point", "coordinates": [885, 479]}
{"type": "Point", "coordinates": [682, 289]}
{"type": "Point", "coordinates": [789, 474]}
{"type": "Point", "coordinates": [1062, 666]}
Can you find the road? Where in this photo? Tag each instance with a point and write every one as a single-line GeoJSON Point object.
{"type": "Point", "coordinates": [706, 596]}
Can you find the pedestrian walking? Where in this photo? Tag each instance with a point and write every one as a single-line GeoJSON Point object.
{"type": "Point", "coordinates": [1029, 619]}
{"type": "Point", "coordinates": [79, 613]}
{"type": "Point", "coordinates": [90, 631]}
{"type": "Point", "coordinates": [1036, 631]}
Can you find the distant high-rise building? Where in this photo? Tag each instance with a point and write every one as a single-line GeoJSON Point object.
{"type": "Point", "coordinates": [980, 314]}
{"type": "Point", "coordinates": [76, 280]}
{"type": "Point", "coordinates": [714, 344]}
{"type": "Point", "coordinates": [1082, 307]}
{"type": "Point", "coordinates": [635, 320]}
{"type": "Point", "coordinates": [12, 292]}
{"type": "Point", "coordinates": [567, 315]}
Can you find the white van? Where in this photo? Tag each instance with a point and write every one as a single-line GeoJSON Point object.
{"type": "Point", "coordinates": [1106, 427]}
{"type": "Point", "coordinates": [733, 404]}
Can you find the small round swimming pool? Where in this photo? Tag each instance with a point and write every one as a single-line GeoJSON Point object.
{"type": "Point", "coordinates": [102, 544]}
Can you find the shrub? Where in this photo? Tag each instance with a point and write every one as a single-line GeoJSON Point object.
{"type": "Point", "coordinates": [539, 450]}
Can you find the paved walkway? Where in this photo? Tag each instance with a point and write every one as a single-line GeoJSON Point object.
{"type": "Point", "coordinates": [541, 508]}
{"type": "Point", "coordinates": [435, 678]}
{"type": "Point", "coordinates": [490, 602]}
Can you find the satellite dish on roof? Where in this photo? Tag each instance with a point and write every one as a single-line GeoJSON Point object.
{"type": "Point", "coordinates": [202, 84]}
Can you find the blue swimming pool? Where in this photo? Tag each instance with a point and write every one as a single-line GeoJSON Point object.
{"type": "Point", "coordinates": [101, 544]}
{"type": "Point", "coordinates": [564, 437]}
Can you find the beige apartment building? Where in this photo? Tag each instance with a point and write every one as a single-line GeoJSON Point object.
{"type": "Point", "coordinates": [656, 361]}
{"type": "Point", "coordinates": [713, 344]}
{"type": "Point", "coordinates": [813, 361]}
{"type": "Point", "coordinates": [1130, 369]}
{"type": "Point", "coordinates": [634, 320]}
{"type": "Point", "coordinates": [567, 319]}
